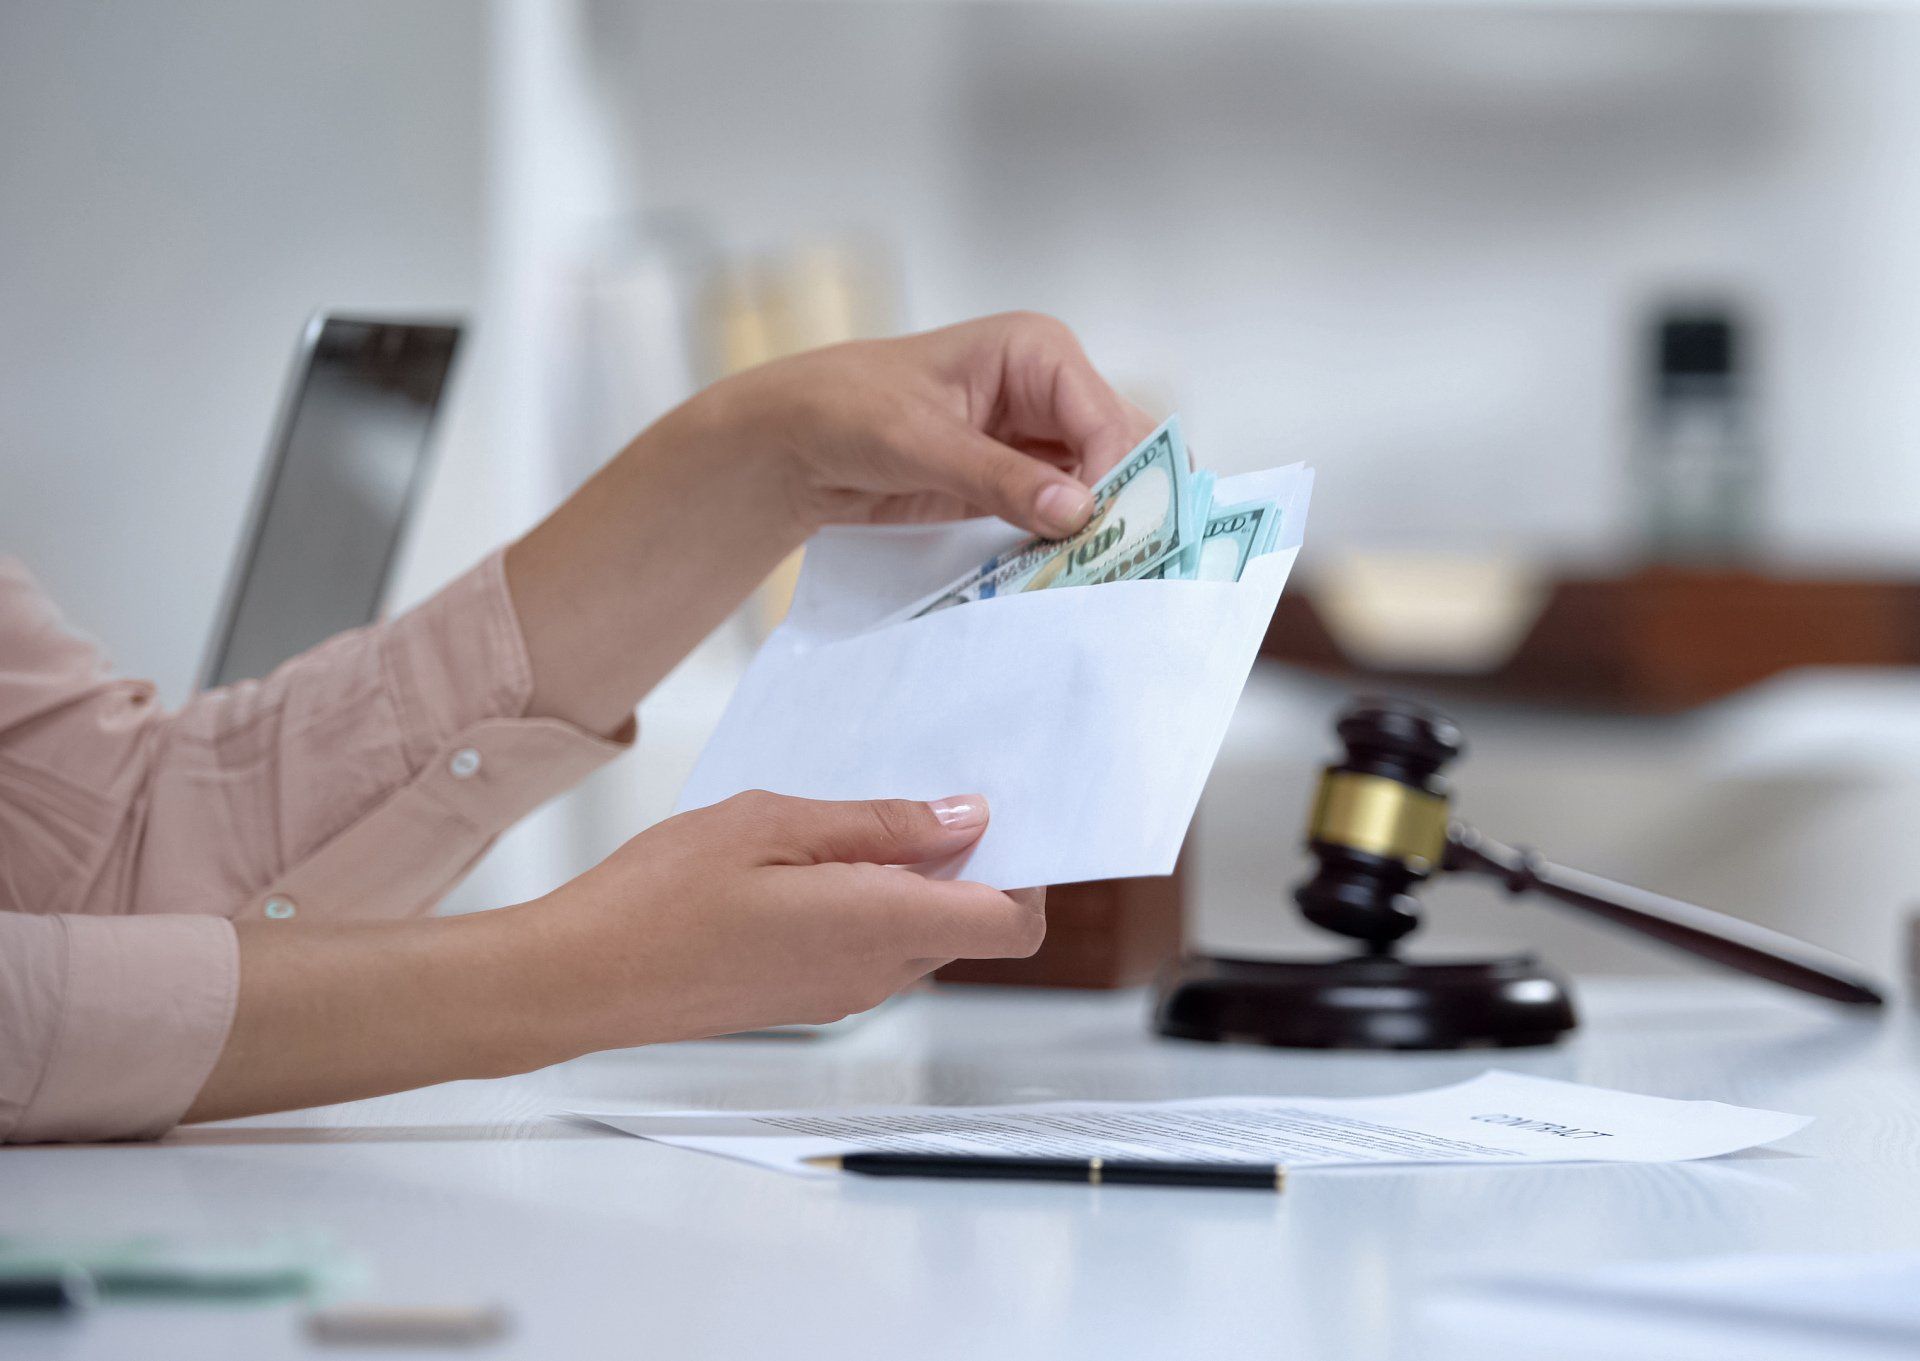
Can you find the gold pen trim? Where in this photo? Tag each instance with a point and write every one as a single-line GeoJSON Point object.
{"type": "Point", "coordinates": [1093, 1171]}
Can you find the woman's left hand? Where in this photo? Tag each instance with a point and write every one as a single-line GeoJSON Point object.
{"type": "Point", "coordinates": [1004, 416]}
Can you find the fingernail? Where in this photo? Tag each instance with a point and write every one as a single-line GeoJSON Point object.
{"type": "Point", "coordinates": [1064, 507]}
{"type": "Point", "coordinates": [960, 811]}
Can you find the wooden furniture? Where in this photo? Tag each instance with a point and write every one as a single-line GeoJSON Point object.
{"type": "Point", "coordinates": [604, 1246]}
{"type": "Point", "coordinates": [1112, 933]}
{"type": "Point", "coordinates": [1656, 640]}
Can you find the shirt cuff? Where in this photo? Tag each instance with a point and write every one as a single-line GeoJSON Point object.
{"type": "Point", "coordinates": [460, 678]}
{"type": "Point", "coordinates": [456, 659]}
{"type": "Point", "coordinates": [146, 1003]}
{"type": "Point", "coordinates": [402, 856]}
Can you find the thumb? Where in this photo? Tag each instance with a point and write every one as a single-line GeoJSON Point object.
{"type": "Point", "coordinates": [1019, 488]}
{"type": "Point", "coordinates": [881, 831]}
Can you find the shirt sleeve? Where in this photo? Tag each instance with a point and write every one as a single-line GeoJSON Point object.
{"type": "Point", "coordinates": [359, 780]}
{"type": "Point", "coordinates": [109, 1025]}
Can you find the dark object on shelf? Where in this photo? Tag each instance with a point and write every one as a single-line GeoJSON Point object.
{"type": "Point", "coordinates": [1380, 827]}
{"type": "Point", "coordinates": [1658, 640]}
{"type": "Point", "coordinates": [1700, 468]}
{"type": "Point", "coordinates": [1110, 933]}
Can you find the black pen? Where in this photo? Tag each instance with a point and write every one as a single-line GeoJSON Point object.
{"type": "Point", "coordinates": [1092, 1171]}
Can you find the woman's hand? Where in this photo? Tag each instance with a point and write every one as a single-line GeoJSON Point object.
{"type": "Point", "coordinates": [765, 910]}
{"type": "Point", "coordinates": [758, 911]}
{"type": "Point", "coordinates": [1001, 416]}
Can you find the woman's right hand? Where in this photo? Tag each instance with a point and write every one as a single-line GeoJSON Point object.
{"type": "Point", "coordinates": [765, 910]}
{"type": "Point", "coordinates": [758, 911]}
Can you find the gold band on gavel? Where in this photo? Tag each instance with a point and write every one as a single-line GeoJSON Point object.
{"type": "Point", "coordinates": [1378, 816]}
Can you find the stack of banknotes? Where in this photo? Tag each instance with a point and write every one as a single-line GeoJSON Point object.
{"type": "Point", "coordinates": [1153, 519]}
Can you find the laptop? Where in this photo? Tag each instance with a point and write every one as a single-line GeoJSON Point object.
{"type": "Point", "coordinates": [347, 463]}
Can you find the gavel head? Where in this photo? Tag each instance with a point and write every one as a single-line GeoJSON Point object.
{"type": "Point", "coordinates": [1379, 821]}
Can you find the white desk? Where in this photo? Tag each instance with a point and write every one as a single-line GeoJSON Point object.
{"type": "Point", "coordinates": [604, 1245]}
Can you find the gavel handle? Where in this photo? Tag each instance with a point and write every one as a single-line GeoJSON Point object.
{"type": "Point", "coordinates": [1742, 945]}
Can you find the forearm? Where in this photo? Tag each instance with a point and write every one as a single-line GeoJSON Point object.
{"type": "Point", "coordinates": [1004, 416]}
{"type": "Point", "coordinates": [634, 569]}
{"type": "Point", "coordinates": [758, 911]}
{"type": "Point", "coordinates": [337, 1013]}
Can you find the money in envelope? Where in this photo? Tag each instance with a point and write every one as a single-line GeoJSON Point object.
{"type": "Point", "coordinates": [1083, 686]}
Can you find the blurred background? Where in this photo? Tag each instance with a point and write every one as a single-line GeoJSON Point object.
{"type": "Point", "coordinates": [1599, 324]}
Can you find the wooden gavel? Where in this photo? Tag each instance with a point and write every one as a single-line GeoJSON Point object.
{"type": "Point", "coordinates": [1381, 826]}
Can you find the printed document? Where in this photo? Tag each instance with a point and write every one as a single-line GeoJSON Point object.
{"type": "Point", "coordinates": [1498, 1117]}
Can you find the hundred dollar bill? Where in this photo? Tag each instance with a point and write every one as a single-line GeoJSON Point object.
{"type": "Point", "coordinates": [1142, 515]}
{"type": "Point", "coordinates": [1187, 561]}
{"type": "Point", "coordinates": [1234, 535]}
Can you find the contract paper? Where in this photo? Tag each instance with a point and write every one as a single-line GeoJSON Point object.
{"type": "Point", "coordinates": [1089, 716]}
{"type": "Point", "coordinates": [1498, 1117]}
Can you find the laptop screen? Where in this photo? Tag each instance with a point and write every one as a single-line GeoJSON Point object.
{"type": "Point", "coordinates": [348, 460]}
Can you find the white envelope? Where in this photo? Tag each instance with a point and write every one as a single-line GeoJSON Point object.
{"type": "Point", "coordinates": [1089, 716]}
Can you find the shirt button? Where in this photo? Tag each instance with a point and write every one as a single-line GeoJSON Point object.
{"type": "Point", "coordinates": [465, 762]}
{"type": "Point", "coordinates": [279, 908]}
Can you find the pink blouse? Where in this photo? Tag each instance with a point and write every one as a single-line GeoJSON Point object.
{"type": "Point", "coordinates": [359, 780]}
